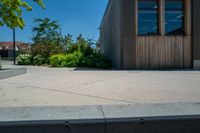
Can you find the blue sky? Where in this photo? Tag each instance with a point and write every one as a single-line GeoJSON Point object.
{"type": "Point", "coordinates": [75, 17]}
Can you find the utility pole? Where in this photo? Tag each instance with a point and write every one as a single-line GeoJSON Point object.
{"type": "Point", "coordinates": [14, 47]}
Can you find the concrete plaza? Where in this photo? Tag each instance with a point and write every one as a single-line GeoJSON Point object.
{"type": "Point", "coordinates": [43, 86]}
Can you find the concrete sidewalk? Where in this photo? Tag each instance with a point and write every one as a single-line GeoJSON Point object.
{"type": "Point", "coordinates": [43, 86]}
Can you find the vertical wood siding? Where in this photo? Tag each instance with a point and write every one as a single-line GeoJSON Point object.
{"type": "Point", "coordinates": [163, 52]}
{"type": "Point", "coordinates": [110, 33]}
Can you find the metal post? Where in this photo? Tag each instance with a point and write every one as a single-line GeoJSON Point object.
{"type": "Point", "coordinates": [14, 47]}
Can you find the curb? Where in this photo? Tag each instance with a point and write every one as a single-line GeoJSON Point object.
{"type": "Point", "coordinates": [161, 118]}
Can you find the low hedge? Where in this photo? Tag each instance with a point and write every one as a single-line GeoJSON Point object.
{"type": "Point", "coordinates": [77, 59]}
{"type": "Point", "coordinates": [96, 60]}
{"type": "Point", "coordinates": [68, 60]}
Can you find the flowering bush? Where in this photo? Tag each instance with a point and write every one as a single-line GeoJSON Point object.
{"type": "Point", "coordinates": [39, 60]}
{"type": "Point", "coordinates": [24, 59]}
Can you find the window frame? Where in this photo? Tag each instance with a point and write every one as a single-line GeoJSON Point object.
{"type": "Point", "coordinates": [158, 30]}
{"type": "Point", "coordinates": [183, 21]}
{"type": "Point", "coordinates": [161, 19]}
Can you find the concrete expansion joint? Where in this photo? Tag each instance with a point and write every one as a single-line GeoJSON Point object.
{"type": "Point", "coordinates": [105, 121]}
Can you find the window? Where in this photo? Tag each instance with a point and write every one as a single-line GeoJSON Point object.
{"type": "Point", "coordinates": [148, 17]}
{"type": "Point", "coordinates": [174, 17]}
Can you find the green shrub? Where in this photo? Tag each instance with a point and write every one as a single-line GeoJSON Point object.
{"type": "Point", "coordinates": [68, 60]}
{"type": "Point", "coordinates": [24, 59]}
{"type": "Point", "coordinates": [77, 59]}
{"type": "Point", "coordinates": [96, 60]}
{"type": "Point", "coordinates": [39, 60]}
{"type": "Point", "coordinates": [86, 49]}
{"type": "Point", "coordinates": [74, 59]}
{"type": "Point", "coordinates": [57, 60]}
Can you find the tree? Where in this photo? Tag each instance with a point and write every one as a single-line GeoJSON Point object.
{"type": "Point", "coordinates": [11, 12]}
{"type": "Point", "coordinates": [67, 42]}
{"type": "Point", "coordinates": [46, 30]}
{"type": "Point", "coordinates": [47, 38]}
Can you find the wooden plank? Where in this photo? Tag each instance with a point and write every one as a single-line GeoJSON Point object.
{"type": "Point", "coordinates": [163, 52]}
{"type": "Point", "coordinates": [188, 17]}
{"type": "Point", "coordinates": [162, 17]}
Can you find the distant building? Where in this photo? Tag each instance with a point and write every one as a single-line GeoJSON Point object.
{"type": "Point", "coordinates": [6, 48]}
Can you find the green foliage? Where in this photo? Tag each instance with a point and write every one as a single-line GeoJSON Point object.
{"type": "Point", "coordinates": [51, 48]}
{"type": "Point", "coordinates": [74, 59]}
{"type": "Point", "coordinates": [67, 42]}
{"type": "Point", "coordinates": [77, 59]}
{"type": "Point", "coordinates": [68, 60]}
{"type": "Point", "coordinates": [11, 12]}
{"type": "Point", "coordinates": [57, 60]}
{"type": "Point", "coordinates": [39, 60]}
{"type": "Point", "coordinates": [96, 60]}
{"type": "Point", "coordinates": [40, 50]}
{"type": "Point", "coordinates": [79, 54]}
{"type": "Point", "coordinates": [45, 50]}
{"type": "Point", "coordinates": [24, 59]}
{"type": "Point", "coordinates": [82, 45]}
{"type": "Point", "coordinates": [46, 30]}
{"type": "Point", "coordinates": [47, 38]}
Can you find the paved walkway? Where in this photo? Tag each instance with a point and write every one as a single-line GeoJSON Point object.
{"type": "Point", "coordinates": [43, 86]}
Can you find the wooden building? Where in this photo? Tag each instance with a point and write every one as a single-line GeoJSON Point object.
{"type": "Point", "coordinates": [152, 34]}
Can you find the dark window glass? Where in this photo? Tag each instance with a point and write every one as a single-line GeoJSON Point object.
{"type": "Point", "coordinates": [148, 17]}
{"type": "Point", "coordinates": [174, 17]}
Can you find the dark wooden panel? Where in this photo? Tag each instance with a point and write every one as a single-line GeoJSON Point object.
{"type": "Point", "coordinates": [163, 52]}
{"type": "Point", "coordinates": [196, 29]}
{"type": "Point", "coordinates": [129, 53]}
{"type": "Point", "coordinates": [110, 33]}
{"type": "Point", "coordinates": [128, 17]}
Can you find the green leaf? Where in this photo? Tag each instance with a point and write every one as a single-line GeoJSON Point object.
{"type": "Point", "coordinates": [11, 12]}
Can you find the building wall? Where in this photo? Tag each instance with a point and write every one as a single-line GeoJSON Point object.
{"type": "Point", "coordinates": [196, 33]}
{"type": "Point", "coordinates": [7, 53]}
{"type": "Point", "coordinates": [110, 33]}
{"type": "Point", "coordinates": [153, 52]}
{"type": "Point", "coordinates": [120, 42]}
